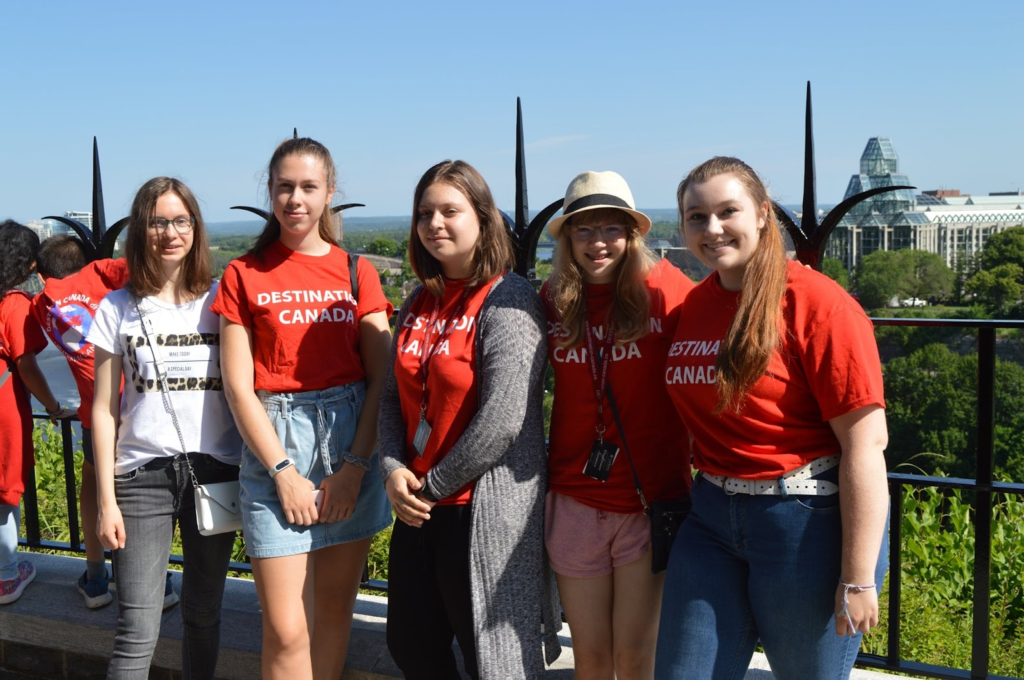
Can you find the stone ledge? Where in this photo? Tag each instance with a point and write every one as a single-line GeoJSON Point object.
{"type": "Point", "coordinates": [49, 633]}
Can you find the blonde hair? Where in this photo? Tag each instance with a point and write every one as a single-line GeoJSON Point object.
{"type": "Point", "coordinates": [630, 310]}
{"type": "Point", "coordinates": [756, 330]}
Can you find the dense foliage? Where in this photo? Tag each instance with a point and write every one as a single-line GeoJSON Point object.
{"type": "Point", "coordinates": [885, 275]}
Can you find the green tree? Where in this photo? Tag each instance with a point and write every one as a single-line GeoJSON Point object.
{"type": "Point", "coordinates": [902, 273]}
{"type": "Point", "coordinates": [931, 408]}
{"type": "Point", "coordinates": [964, 267]}
{"type": "Point", "coordinates": [998, 286]}
{"type": "Point", "coordinates": [834, 269]}
{"type": "Point", "coordinates": [382, 246]}
{"type": "Point", "coordinates": [877, 278]}
{"type": "Point", "coordinates": [924, 275]}
{"type": "Point", "coordinates": [1006, 247]}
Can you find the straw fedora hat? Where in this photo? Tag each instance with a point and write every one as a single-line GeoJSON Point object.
{"type": "Point", "coordinates": [593, 190]}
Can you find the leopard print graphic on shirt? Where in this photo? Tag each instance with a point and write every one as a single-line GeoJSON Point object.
{"type": "Point", "coordinates": [142, 385]}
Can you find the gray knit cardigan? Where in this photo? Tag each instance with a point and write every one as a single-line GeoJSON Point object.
{"type": "Point", "coordinates": [515, 602]}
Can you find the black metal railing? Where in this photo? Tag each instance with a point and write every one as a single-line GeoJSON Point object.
{"type": "Point", "coordinates": [33, 534]}
{"type": "Point", "coordinates": [983, 487]}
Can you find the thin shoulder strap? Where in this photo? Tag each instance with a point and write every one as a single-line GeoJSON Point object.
{"type": "Point", "coordinates": [353, 265]}
{"type": "Point", "coordinates": [625, 446]}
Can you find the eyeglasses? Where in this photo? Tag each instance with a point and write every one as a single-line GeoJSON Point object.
{"type": "Point", "coordinates": [609, 232]}
{"type": "Point", "coordinates": [182, 225]}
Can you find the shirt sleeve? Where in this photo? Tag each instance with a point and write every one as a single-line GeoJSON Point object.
{"type": "Point", "coordinates": [232, 303]}
{"type": "Point", "coordinates": [22, 333]}
{"type": "Point", "coordinates": [106, 324]}
{"type": "Point", "coordinates": [841, 362]}
{"type": "Point", "coordinates": [112, 273]}
{"type": "Point", "coordinates": [371, 294]}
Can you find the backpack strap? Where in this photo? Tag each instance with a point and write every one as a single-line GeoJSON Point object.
{"type": "Point", "coordinates": [353, 264]}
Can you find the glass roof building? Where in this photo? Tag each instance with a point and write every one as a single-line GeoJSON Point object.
{"type": "Point", "coordinates": [896, 220]}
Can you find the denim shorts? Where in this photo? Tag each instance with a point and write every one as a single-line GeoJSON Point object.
{"type": "Point", "coordinates": [314, 428]}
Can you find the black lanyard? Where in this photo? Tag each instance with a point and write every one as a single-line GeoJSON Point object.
{"type": "Point", "coordinates": [429, 351]}
{"type": "Point", "coordinates": [600, 378]}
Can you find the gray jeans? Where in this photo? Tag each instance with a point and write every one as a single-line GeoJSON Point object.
{"type": "Point", "coordinates": [151, 499]}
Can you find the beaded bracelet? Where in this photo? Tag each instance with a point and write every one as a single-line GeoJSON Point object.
{"type": "Point", "coordinates": [350, 457]}
{"type": "Point", "coordinates": [847, 589]}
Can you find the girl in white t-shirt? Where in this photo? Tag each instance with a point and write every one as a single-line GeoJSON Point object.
{"type": "Point", "coordinates": [161, 324]}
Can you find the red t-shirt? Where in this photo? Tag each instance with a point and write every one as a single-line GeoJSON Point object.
{"type": "Point", "coordinates": [452, 380]}
{"type": "Point", "coordinates": [827, 366]}
{"type": "Point", "coordinates": [65, 309]}
{"type": "Point", "coordinates": [19, 335]}
{"type": "Point", "coordinates": [304, 323]}
{"type": "Point", "coordinates": [657, 438]}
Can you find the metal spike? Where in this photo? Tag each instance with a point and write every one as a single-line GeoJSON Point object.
{"type": "Point", "coordinates": [809, 222]}
{"type": "Point", "coordinates": [99, 219]}
{"type": "Point", "coordinates": [522, 201]}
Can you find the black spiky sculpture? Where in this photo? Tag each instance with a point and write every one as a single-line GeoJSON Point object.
{"type": "Point", "coordinates": [526, 232]}
{"type": "Point", "coordinates": [98, 241]}
{"type": "Point", "coordinates": [810, 237]}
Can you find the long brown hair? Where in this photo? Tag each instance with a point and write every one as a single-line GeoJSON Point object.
{"type": "Point", "coordinates": [145, 275]}
{"type": "Point", "coordinates": [493, 251]}
{"type": "Point", "coordinates": [756, 330]}
{"type": "Point", "coordinates": [303, 146]}
{"type": "Point", "coordinates": [628, 317]}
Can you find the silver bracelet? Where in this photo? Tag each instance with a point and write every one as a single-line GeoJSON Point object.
{"type": "Point", "coordinates": [349, 457]}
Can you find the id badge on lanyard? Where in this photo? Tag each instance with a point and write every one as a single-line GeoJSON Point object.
{"type": "Point", "coordinates": [602, 453]}
{"type": "Point", "coordinates": [423, 428]}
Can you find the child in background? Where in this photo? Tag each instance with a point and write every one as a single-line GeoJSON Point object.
{"type": "Point", "coordinates": [73, 289]}
{"type": "Point", "coordinates": [20, 341]}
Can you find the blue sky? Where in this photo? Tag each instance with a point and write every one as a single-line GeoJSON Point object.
{"type": "Point", "coordinates": [205, 90]}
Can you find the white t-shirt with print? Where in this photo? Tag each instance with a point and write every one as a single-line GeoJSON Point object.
{"type": "Point", "coordinates": [188, 341]}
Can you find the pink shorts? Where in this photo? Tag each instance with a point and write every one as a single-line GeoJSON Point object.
{"type": "Point", "coordinates": [584, 542]}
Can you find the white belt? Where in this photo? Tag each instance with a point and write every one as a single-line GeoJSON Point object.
{"type": "Point", "coordinates": [797, 483]}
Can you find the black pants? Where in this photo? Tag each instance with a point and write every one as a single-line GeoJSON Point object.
{"type": "Point", "coordinates": [429, 598]}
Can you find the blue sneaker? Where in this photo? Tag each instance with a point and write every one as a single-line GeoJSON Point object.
{"type": "Point", "coordinates": [170, 597]}
{"type": "Point", "coordinates": [95, 591]}
{"type": "Point", "coordinates": [11, 590]}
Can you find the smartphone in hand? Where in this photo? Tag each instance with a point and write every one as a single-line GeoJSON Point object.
{"type": "Point", "coordinates": [318, 499]}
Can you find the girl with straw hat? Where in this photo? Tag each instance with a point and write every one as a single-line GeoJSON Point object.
{"type": "Point", "coordinates": [612, 311]}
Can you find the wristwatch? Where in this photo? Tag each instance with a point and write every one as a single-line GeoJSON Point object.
{"type": "Point", "coordinates": [283, 465]}
{"type": "Point", "coordinates": [425, 494]}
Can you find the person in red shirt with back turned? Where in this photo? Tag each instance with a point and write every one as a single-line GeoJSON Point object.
{"type": "Point", "coordinates": [779, 381]}
{"type": "Point", "coordinates": [612, 310]}
{"type": "Point", "coordinates": [72, 290]}
{"type": "Point", "coordinates": [20, 378]}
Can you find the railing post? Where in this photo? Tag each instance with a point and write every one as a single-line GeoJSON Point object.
{"type": "Point", "coordinates": [983, 501]}
{"type": "Point", "coordinates": [892, 651]}
{"type": "Point", "coordinates": [67, 439]}
{"type": "Point", "coordinates": [31, 519]}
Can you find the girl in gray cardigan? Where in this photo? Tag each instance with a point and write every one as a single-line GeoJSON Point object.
{"type": "Point", "coordinates": [461, 442]}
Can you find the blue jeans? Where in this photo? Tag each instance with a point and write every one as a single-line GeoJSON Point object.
{"type": "Point", "coordinates": [748, 568]}
{"type": "Point", "coordinates": [151, 499]}
{"type": "Point", "coordinates": [9, 518]}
